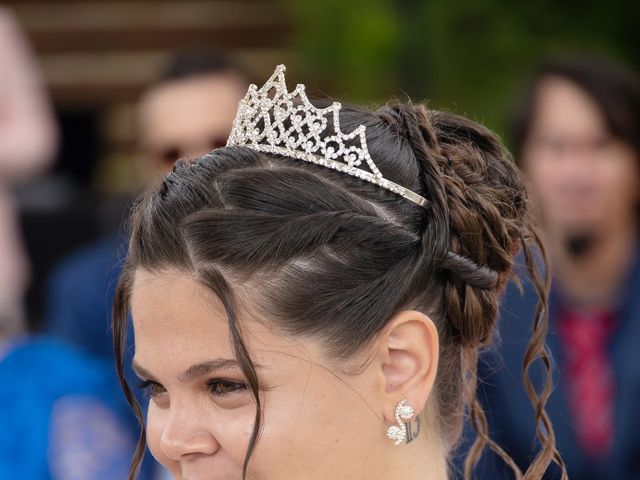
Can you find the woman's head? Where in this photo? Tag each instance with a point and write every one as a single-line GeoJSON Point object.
{"type": "Point", "coordinates": [282, 309]}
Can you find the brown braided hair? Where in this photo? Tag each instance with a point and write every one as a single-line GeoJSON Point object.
{"type": "Point", "coordinates": [357, 253]}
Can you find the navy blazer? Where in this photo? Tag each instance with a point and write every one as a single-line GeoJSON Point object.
{"type": "Point", "coordinates": [508, 408]}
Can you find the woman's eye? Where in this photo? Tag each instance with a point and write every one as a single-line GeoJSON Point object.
{"type": "Point", "coordinates": [220, 388]}
{"type": "Point", "coordinates": [151, 388]}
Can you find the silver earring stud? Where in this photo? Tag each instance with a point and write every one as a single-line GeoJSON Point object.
{"type": "Point", "coordinates": [398, 433]}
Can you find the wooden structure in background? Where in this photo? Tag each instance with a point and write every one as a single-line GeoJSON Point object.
{"type": "Point", "coordinates": [104, 51]}
{"type": "Point", "coordinates": [100, 54]}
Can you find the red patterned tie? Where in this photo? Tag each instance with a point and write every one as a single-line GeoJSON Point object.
{"type": "Point", "coordinates": [589, 377]}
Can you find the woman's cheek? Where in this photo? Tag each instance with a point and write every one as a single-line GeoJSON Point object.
{"type": "Point", "coordinates": [233, 430]}
{"type": "Point", "coordinates": [284, 437]}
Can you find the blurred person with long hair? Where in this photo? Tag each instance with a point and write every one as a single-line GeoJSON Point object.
{"type": "Point", "coordinates": [577, 136]}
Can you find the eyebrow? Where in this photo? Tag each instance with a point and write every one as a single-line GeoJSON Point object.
{"type": "Point", "coordinates": [195, 371]}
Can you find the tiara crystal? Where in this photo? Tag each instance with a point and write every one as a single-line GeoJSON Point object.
{"type": "Point", "coordinates": [273, 120]}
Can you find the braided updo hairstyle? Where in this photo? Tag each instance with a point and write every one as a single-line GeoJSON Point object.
{"type": "Point", "coordinates": [357, 253]}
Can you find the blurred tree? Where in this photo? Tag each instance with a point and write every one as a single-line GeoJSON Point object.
{"type": "Point", "coordinates": [350, 46]}
{"type": "Point", "coordinates": [467, 56]}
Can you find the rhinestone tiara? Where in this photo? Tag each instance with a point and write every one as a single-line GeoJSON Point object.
{"type": "Point", "coordinates": [273, 120]}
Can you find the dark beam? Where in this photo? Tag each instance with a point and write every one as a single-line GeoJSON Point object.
{"type": "Point", "coordinates": [128, 40]}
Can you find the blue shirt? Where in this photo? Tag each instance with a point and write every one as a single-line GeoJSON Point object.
{"type": "Point", "coordinates": [79, 301]}
{"type": "Point", "coordinates": [60, 418]}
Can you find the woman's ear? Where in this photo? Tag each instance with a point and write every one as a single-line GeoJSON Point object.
{"type": "Point", "coordinates": [408, 350]}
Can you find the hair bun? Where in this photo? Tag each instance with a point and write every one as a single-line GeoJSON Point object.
{"type": "Point", "coordinates": [478, 198]}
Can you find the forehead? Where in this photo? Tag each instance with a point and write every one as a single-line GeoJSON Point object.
{"type": "Point", "coordinates": [183, 108]}
{"type": "Point", "coordinates": [177, 319]}
{"type": "Point", "coordinates": [173, 313]}
{"type": "Point", "coordinates": [561, 104]}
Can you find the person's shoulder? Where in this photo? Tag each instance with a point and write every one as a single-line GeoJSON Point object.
{"type": "Point", "coordinates": [519, 297]}
{"type": "Point", "coordinates": [104, 252]}
{"type": "Point", "coordinates": [92, 264]}
{"type": "Point", "coordinates": [517, 307]}
{"type": "Point", "coordinates": [52, 367]}
{"type": "Point", "coordinates": [41, 348]}
{"type": "Point", "coordinates": [58, 403]}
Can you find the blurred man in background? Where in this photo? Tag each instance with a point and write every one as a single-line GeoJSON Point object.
{"type": "Point", "coordinates": [59, 421]}
{"type": "Point", "coordinates": [186, 113]}
{"type": "Point", "coordinates": [577, 137]}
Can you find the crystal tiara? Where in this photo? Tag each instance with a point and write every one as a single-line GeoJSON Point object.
{"type": "Point", "coordinates": [274, 120]}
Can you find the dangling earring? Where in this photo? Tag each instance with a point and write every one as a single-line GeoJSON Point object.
{"type": "Point", "coordinates": [398, 433]}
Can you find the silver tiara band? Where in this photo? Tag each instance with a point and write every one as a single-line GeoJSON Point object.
{"type": "Point", "coordinates": [270, 120]}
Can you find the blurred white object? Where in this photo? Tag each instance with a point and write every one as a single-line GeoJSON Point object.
{"type": "Point", "coordinates": [28, 140]}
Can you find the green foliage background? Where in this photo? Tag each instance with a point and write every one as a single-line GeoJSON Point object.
{"type": "Point", "coordinates": [466, 56]}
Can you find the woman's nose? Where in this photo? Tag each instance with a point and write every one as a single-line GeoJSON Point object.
{"type": "Point", "coordinates": [185, 433]}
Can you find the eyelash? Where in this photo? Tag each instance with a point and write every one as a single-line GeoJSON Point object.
{"type": "Point", "coordinates": [148, 387]}
{"type": "Point", "coordinates": [151, 388]}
